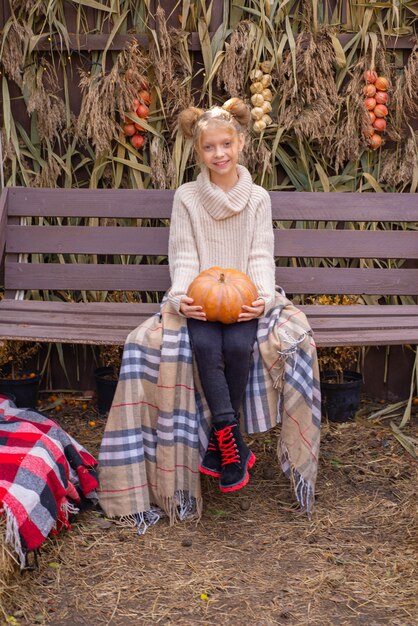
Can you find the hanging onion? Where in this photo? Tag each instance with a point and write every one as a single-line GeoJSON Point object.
{"type": "Point", "coordinates": [266, 80]}
{"type": "Point", "coordinates": [256, 88]}
{"type": "Point", "coordinates": [256, 75]}
{"type": "Point", "coordinates": [259, 125]}
{"type": "Point", "coordinates": [266, 107]}
{"type": "Point", "coordinates": [257, 113]}
{"type": "Point", "coordinates": [267, 95]}
{"type": "Point", "coordinates": [257, 100]}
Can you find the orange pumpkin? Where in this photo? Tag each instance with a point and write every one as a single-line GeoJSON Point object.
{"type": "Point", "coordinates": [221, 293]}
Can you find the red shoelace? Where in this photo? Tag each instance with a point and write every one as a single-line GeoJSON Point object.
{"type": "Point", "coordinates": [212, 447]}
{"type": "Point", "coordinates": [227, 446]}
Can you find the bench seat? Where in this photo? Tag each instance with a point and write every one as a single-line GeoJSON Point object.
{"type": "Point", "coordinates": [110, 323]}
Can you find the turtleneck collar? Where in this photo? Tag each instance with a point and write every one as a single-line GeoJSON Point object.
{"type": "Point", "coordinates": [220, 204]}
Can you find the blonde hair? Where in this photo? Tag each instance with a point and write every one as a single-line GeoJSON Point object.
{"type": "Point", "coordinates": [234, 114]}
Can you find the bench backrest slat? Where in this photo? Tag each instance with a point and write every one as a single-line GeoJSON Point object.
{"type": "Point", "coordinates": [302, 280]}
{"type": "Point", "coordinates": [154, 241]}
{"type": "Point", "coordinates": [157, 203]}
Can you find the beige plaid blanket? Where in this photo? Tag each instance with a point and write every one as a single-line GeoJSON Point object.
{"type": "Point", "coordinates": [159, 423]}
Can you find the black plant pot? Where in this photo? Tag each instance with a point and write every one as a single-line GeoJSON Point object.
{"type": "Point", "coordinates": [340, 401]}
{"type": "Point", "coordinates": [8, 396]}
{"type": "Point", "coordinates": [106, 387]}
{"type": "Point", "coordinates": [24, 391]}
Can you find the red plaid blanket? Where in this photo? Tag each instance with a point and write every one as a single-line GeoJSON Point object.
{"type": "Point", "coordinates": [43, 473]}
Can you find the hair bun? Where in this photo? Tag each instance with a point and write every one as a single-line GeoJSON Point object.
{"type": "Point", "coordinates": [238, 109]}
{"type": "Point", "coordinates": [187, 120]}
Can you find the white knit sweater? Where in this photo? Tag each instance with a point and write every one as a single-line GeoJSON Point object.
{"type": "Point", "coordinates": [231, 230]}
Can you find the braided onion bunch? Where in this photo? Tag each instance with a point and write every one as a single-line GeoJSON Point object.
{"type": "Point", "coordinates": [261, 97]}
{"type": "Point", "coordinates": [376, 98]}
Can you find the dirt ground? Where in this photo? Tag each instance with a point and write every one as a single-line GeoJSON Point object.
{"type": "Point", "coordinates": [252, 559]}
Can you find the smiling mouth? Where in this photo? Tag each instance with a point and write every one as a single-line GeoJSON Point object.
{"type": "Point", "coordinates": [222, 163]}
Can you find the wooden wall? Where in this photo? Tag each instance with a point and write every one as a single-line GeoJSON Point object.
{"type": "Point", "coordinates": [82, 45]}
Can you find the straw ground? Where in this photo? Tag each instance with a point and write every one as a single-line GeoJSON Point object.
{"type": "Point", "coordinates": [252, 559]}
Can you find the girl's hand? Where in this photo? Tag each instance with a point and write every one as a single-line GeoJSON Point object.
{"type": "Point", "coordinates": [251, 312]}
{"type": "Point", "coordinates": [188, 310]}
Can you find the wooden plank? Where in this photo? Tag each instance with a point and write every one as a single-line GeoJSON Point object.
{"type": "Point", "coordinates": [330, 311]}
{"type": "Point", "coordinates": [391, 42]}
{"type": "Point", "coordinates": [156, 203]}
{"type": "Point", "coordinates": [3, 222]}
{"type": "Point", "coordinates": [91, 325]}
{"type": "Point", "coordinates": [154, 241]}
{"type": "Point", "coordinates": [351, 244]}
{"type": "Point", "coordinates": [355, 281]}
{"type": "Point", "coordinates": [12, 261]}
{"type": "Point", "coordinates": [67, 321]}
{"type": "Point", "coordinates": [112, 337]}
{"type": "Point", "coordinates": [92, 42]}
{"type": "Point", "coordinates": [103, 309]}
{"type": "Point", "coordinates": [299, 280]}
{"type": "Point", "coordinates": [367, 338]}
{"type": "Point", "coordinates": [125, 309]}
{"type": "Point", "coordinates": [88, 240]}
{"type": "Point", "coordinates": [90, 277]}
{"type": "Point", "coordinates": [64, 320]}
{"type": "Point", "coordinates": [382, 323]}
{"type": "Point", "coordinates": [217, 15]}
{"type": "Point", "coordinates": [109, 203]}
{"type": "Point", "coordinates": [344, 207]}
{"type": "Point", "coordinates": [93, 322]}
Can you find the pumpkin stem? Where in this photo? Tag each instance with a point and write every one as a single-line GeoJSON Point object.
{"type": "Point", "coordinates": [221, 277]}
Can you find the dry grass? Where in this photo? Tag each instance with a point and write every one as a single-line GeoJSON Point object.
{"type": "Point", "coordinates": [233, 72]}
{"type": "Point", "coordinates": [171, 66]}
{"type": "Point", "coordinates": [309, 94]}
{"type": "Point", "coordinates": [42, 85]}
{"type": "Point", "coordinates": [252, 559]}
{"type": "Point", "coordinates": [106, 97]}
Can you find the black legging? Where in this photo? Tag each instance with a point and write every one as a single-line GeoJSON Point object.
{"type": "Point", "coordinates": [223, 355]}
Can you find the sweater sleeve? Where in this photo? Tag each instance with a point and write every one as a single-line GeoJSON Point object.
{"type": "Point", "coordinates": [261, 266]}
{"type": "Point", "coordinates": [183, 257]}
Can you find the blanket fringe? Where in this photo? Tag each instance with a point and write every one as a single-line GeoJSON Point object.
{"type": "Point", "coordinates": [293, 341]}
{"type": "Point", "coordinates": [180, 507]}
{"type": "Point", "coordinates": [125, 521]}
{"type": "Point", "coordinates": [303, 488]}
{"type": "Point", "coordinates": [12, 536]}
{"type": "Point", "coordinates": [69, 508]}
{"type": "Point", "coordinates": [146, 519]}
{"type": "Point", "coordinates": [284, 354]}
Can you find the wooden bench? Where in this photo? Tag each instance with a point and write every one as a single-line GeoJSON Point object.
{"type": "Point", "coordinates": [25, 235]}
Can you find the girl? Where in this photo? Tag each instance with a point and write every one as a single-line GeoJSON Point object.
{"type": "Point", "coordinates": [222, 219]}
{"type": "Point", "coordinates": [167, 422]}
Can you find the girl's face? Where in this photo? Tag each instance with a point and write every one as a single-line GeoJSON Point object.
{"type": "Point", "coordinates": [219, 150]}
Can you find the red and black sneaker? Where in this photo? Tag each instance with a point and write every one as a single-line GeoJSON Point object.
{"type": "Point", "coordinates": [236, 456]}
{"type": "Point", "coordinates": [211, 463]}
